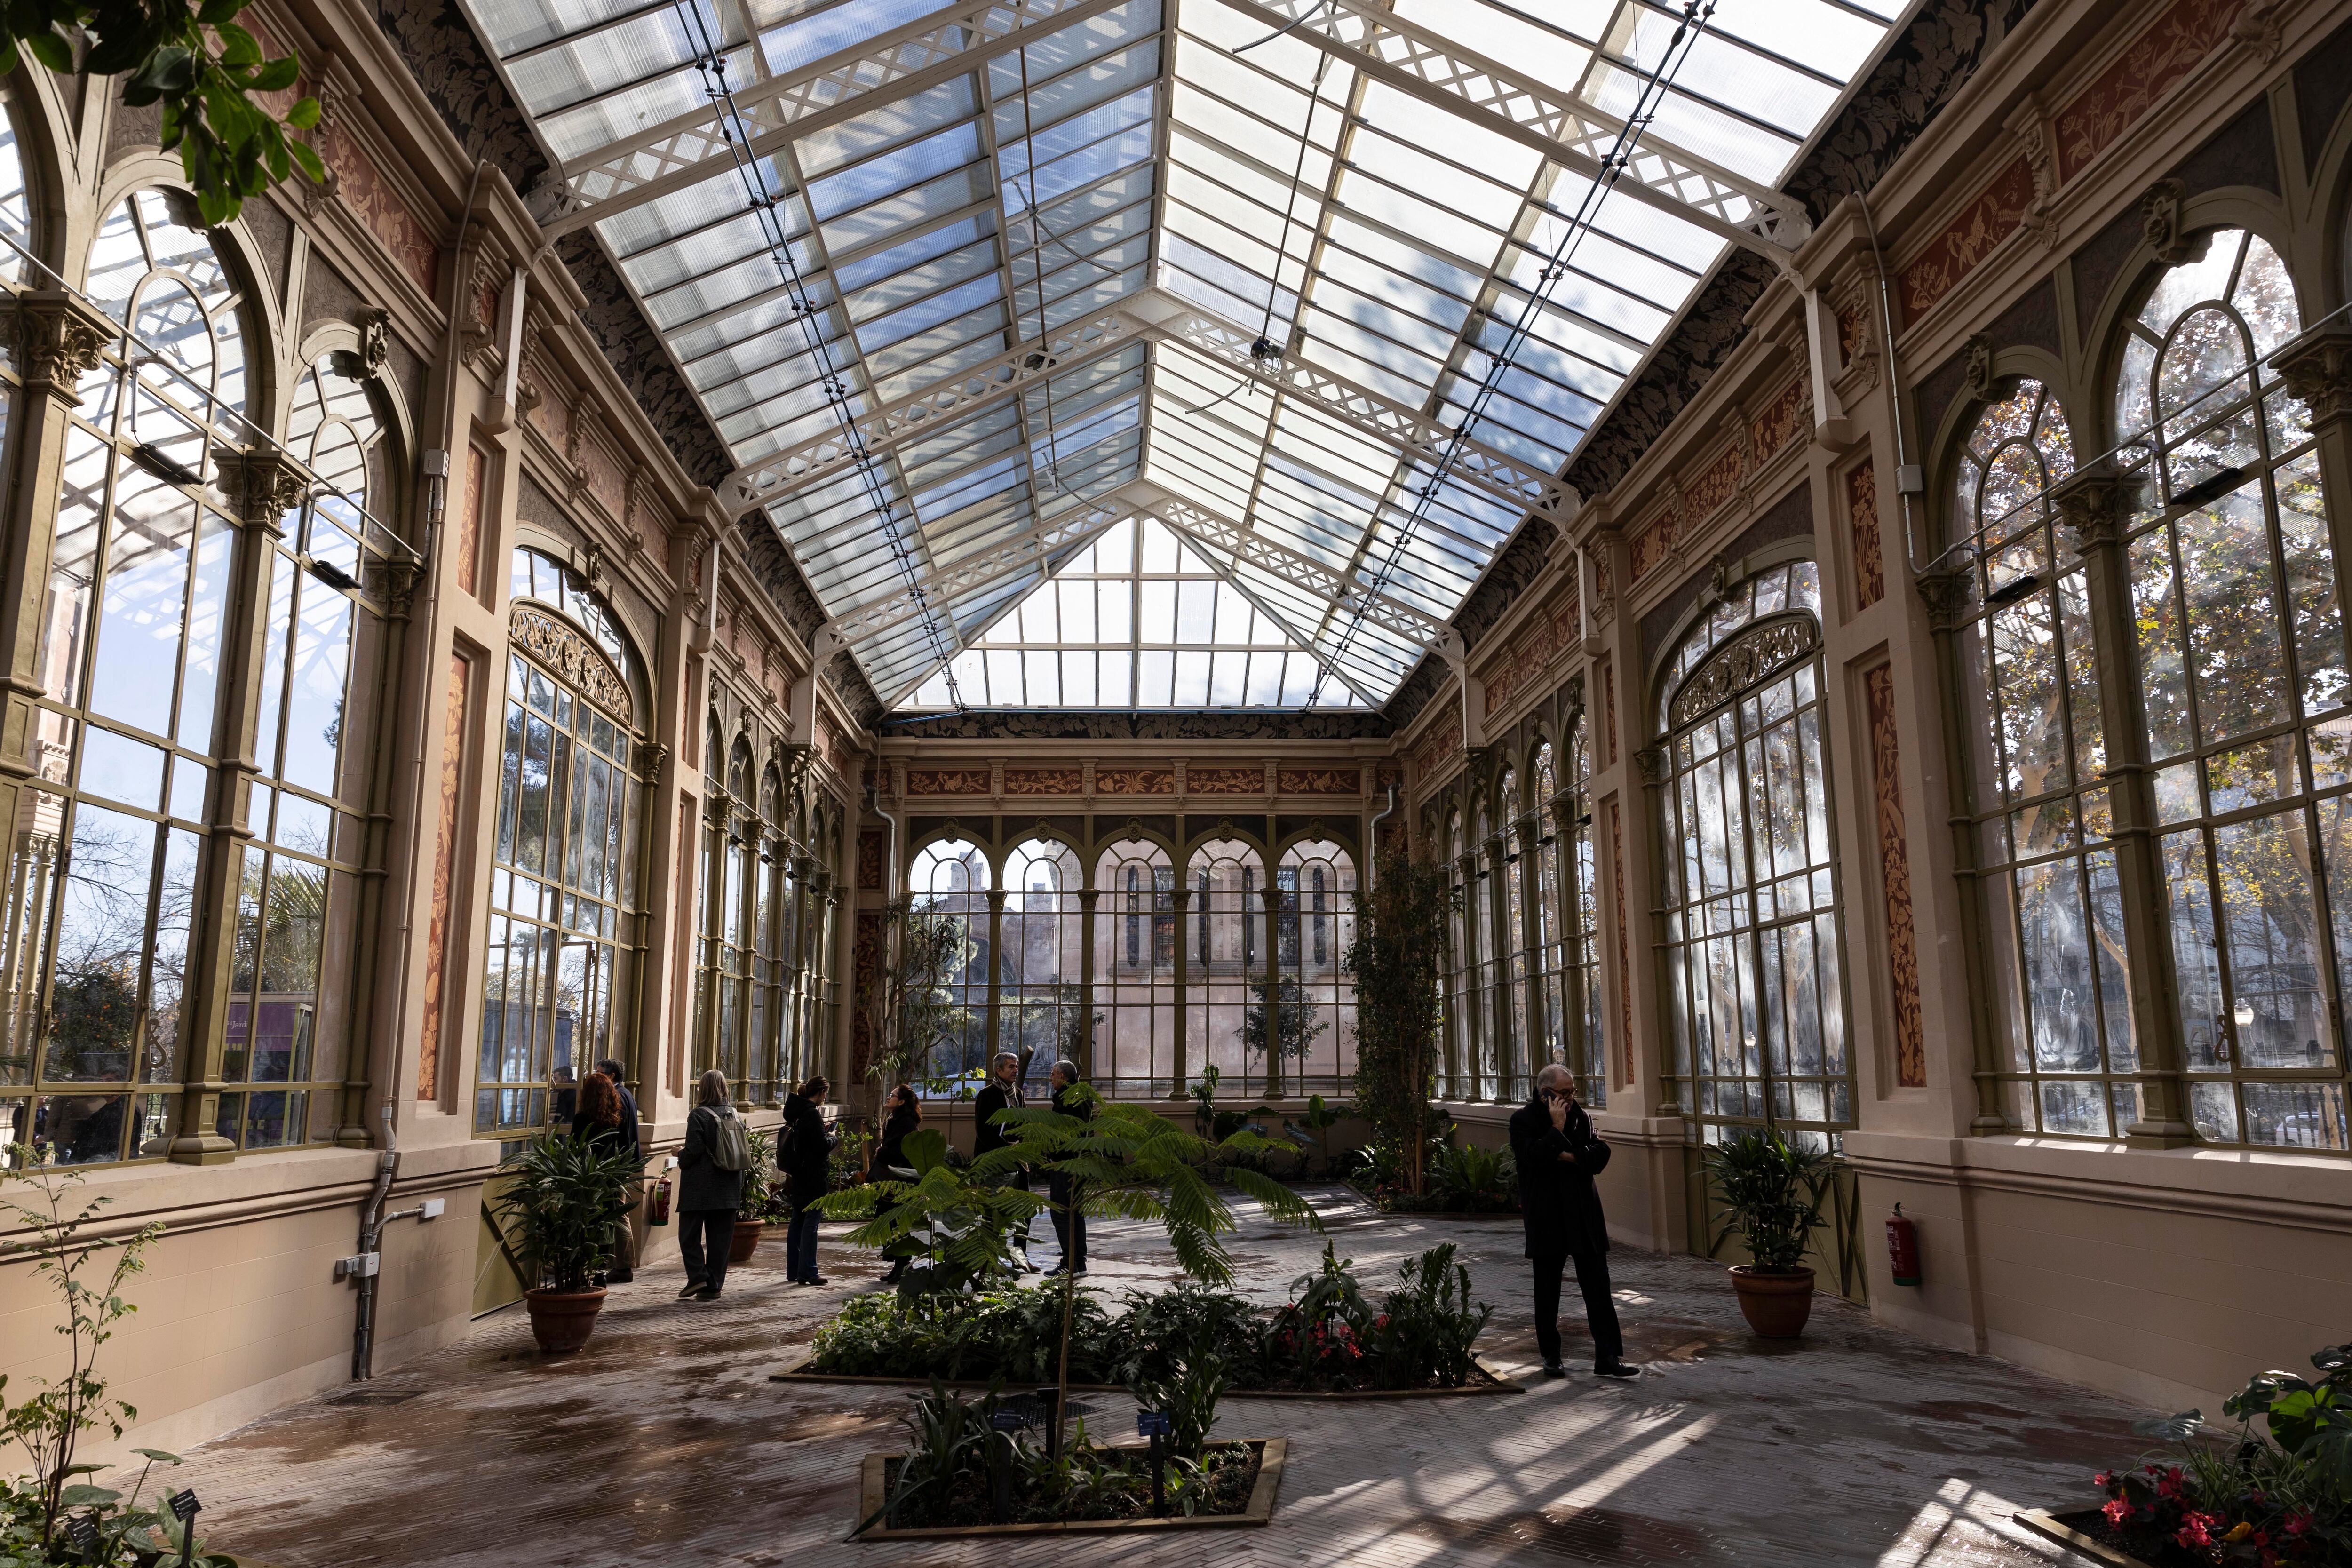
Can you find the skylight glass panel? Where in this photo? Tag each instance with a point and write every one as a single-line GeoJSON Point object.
{"type": "Point", "coordinates": [950, 197]}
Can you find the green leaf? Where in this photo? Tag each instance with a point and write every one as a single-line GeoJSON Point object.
{"type": "Point", "coordinates": [240, 48]}
{"type": "Point", "coordinates": [7, 55]}
{"type": "Point", "coordinates": [160, 1456]}
{"type": "Point", "coordinates": [52, 51]}
{"type": "Point", "coordinates": [308, 162]}
{"type": "Point", "coordinates": [217, 13]}
{"type": "Point", "coordinates": [277, 76]}
{"type": "Point", "coordinates": [87, 1496]}
{"type": "Point", "coordinates": [303, 115]}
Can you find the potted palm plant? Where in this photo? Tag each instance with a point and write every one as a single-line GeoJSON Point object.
{"type": "Point", "coordinates": [1773, 1196]}
{"type": "Point", "coordinates": [560, 1206]}
{"type": "Point", "coordinates": [765, 1203]}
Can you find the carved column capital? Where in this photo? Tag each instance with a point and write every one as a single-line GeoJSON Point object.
{"type": "Point", "coordinates": [2317, 368]}
{"type": "Point", "coordinates": [59, 339]}
{"type": "Point", "coordinates": [1653, 763]}
{"type": "Point", "coordinates": [1948, 593]}
{"type": "Point", "coordinates": [2095, 502]}
{"type": "Point", "coordinates": [262, 485]}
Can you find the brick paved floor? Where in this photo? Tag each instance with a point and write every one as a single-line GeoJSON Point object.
{"type": "Point", "coordinates": [665, 1443]}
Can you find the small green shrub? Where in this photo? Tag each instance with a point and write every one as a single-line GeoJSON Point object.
{"type": "Point", "coordinates": [1159, 1328]}
{"type": "Point", "coordinates": [1471, 1180]}
{"type": "Point", "coordinates": [1012, 1334]}
{"type": "Point", "coordinates": [1426, 1329]}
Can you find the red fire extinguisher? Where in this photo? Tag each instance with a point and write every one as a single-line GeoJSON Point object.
{"type": "Point", "coordinates": [1902, 1249]}
{"type": "Point", "coordinates": [657, 1210]}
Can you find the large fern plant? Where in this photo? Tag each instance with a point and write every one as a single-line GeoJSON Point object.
{"type": "Point", "coordinates": [1127, 1161]}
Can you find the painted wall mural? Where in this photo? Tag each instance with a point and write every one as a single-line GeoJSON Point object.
{"type": "Point", "coordinates": [1894, 877]}
{"type": "Point", "coordinates": [1862, 516]}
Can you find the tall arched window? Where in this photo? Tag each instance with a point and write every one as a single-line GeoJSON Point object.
{"type": "Point", "coordinates": [771, 928]}
{"type": "Point", "coordinates": [943, 959]}
{"type": "Point", "coordinates": [104, 898]}
{"type": "Point", "coordinates": [2243, 682]}
{"type": "Point", "coordinates": [1752, 939]}
{"type": "Point", "coordinates": [1314, 1018]}
{"type": "Point", "coordinates": [1226, 980]}
{"type": "Point", "coordinates": [1135, 971]}
{"type": "Point", "coordinates": [1041, 1007]}
{"type": "Point", "coordinates": [733, 1044]}
{"type": "Point", "coordinates": [1485, 1067]}
{"type": "Point", "coordinates": [1459, 970]}
{"type": "Point", "coordinates": [1589, 1039]}
{"type": "Point", "coordinates": [2030, 685]}
{"type": "Point", "coordinates": [557, 991]}
{"type": "Point", "coordinates": [1518, 971]}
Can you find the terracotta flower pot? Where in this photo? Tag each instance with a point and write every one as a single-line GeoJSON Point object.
{"type": "Point", "coordinates": [562, 1320]}
{"type": "Point", "coordinates": [1775, 1305]}
{"type": "Point", "coordinates": [748, 1232]}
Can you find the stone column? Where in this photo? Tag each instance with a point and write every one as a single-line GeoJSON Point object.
{"type": "Point", "coordinates": [1469, 1083]}
{"type": "Point", "coordinates": [1569, 1030]}
{"type": "Point", "coordinates": [2097, 503]}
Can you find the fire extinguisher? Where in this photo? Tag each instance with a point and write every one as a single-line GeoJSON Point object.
{"type": "Point", "coordinates": [657, 1211]}
{"type": "Point", "coordinates": [1903, 1247]}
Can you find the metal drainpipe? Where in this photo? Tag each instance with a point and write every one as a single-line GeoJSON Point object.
{"type": "Point", "coordinates": [890, 860]}
{"type": "Point", "coordinates": [387, 1164]}
{"type": "Point", "coordinates": [1372, 849]}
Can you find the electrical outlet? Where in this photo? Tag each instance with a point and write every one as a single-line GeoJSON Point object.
{"type": "Point", "coordinates": [433, 1209]}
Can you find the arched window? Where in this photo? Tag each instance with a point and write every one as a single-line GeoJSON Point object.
{"type": "Point", "coordinates": [1589, 1038]}
{"type": "Point", "coordinates": [1135, 971]}
{"type": "Point", "coordinates": [733, 1043]}
{"type": "Point", "coordinates": [1459, 972]}
{"type": "Point", "coordinates": [2030, 690]}
{"type": "Point", "coordinates": [771, 928]}
{"type": "Point", "coordinates": [559, 989]}
{"type": "Point", "coordinates": [943, 958]}
{"type": "Point", "coordinates": [1518, 1053]}
{"type": "Point", "coordinates": [2242, 680]}
{"type": "Point", "coordinates": [1485, 1068]}
{"type": "Point", "coordinates": [126, 727]}
{"type": "Point", "coordinates": [1315, 1014]}
{"type": "Point", "coordinates": [1227, 976]}
{"type": "Point", "coordinates": [1041, 1007]}
{"type": "Point", "coordinates": [1752, 937]}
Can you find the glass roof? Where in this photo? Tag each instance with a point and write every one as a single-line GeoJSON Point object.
{"type": "Point", "coordinates": [1315, 293]}
{"type": "Point", "coordinates": [1138, 618]}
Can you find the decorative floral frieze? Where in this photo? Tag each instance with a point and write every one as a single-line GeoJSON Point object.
{"type": "Point", "coordinates": [2155, 63]}
{"type": "Point", "coordinates": [1753, 655]}
{"type": "Point", "coordinates": [1224, 781]}
{"type": "Point", "coordinates": [1043, 781]}
{"type": "Point", "coordinates": [1895, 879]}
{"type": "Point", "coordinates": [1320, 781]}
{"type": "Point", "coordinates": [1135, 780]}
{"type": "Point", "coordinates": [563, 649]}
{"type": "Point", "coordinates": [1862, 517]}
{"type": "Point", "coordinates": [1997, 211]}
{"type": "Point", "coordinates": [947, 781]}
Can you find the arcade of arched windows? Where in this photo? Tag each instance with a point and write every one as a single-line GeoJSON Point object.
{"type": "Point", "coordinates": [1149, 965]}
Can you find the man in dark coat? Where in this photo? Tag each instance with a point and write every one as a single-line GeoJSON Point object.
{"type": "Point", "coordinates": [805, 1159]}
{"type": "Point", "coordinates": [1069, 1224]}
{"type": "Point", "coordinates": [1558, 1155]}
{"type": "Point", "coordinates": [1003, 1093]}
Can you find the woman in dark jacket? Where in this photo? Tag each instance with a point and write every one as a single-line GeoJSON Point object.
{"type": "Point", "coordinates": [805, 1155]}
{"type": "Point", "coordinates": [707, 1194]}
{"type": "Point", "coordinates": [901, 1114]}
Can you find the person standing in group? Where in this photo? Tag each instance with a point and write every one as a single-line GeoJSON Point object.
{"type": "Point", "coordinates": [1069, 1224]}
{"type": "Point", "coordinates": [597, 1120]}
{"type": "Point", "coordinates": [1003, 1093]}
{"type": "Point", "coordinates": [804, 1156]}
{"type": "Point", "coordinates": [901, 1114]}
{"type": "Point", "coordinates": [711, 1186]}
{"type": "Point", "coordinates": [1558, 1155]}
{"type": "Point", "coordinates": [625, 1241]}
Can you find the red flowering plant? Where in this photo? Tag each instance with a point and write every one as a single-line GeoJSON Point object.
{"type": "Point", "coordinates": [2277, 1497]}
{"type": "Point", "coordinates": [1322, 1334]}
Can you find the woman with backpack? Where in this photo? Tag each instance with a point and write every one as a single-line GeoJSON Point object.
{"type": "Point", "coordinates": [711, 1186]}
{"type": "Point", "coordinates": [901, 1113]}
{"type": "Point", "coordinates": [804, 1156]}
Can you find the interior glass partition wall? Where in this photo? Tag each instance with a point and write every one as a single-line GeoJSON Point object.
{"type": "Point", "coordinates": [1135, 971]}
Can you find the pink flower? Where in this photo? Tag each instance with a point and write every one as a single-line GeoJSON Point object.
{"type": "Point", "coordinates": [2104, 1479]}
{"type": "Point", "coordinates": [2168, 1484]}
{"type": "Point", "coordinates": [2118, 1511]}
{"type": "Point", "coordinates": [2296, 1524]}
{"type": "Point", "coordinates": [2196, 1528]}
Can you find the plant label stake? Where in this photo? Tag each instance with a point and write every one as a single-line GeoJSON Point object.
{"type": "Point", "coordinates": [1049, 1400]}
{"type": "Point", "coordinates": [1000, 1464]}
{"type": "Point", "coordinates": [184, 1505]}
{"type": "Point", "coordinates": [84, 1531]}
{"type": "Point", "coordinates": [1156, 1426]}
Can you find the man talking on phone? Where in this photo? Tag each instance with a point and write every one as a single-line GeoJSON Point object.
{"type": "Point", "coordinates": [1552, 1139]}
